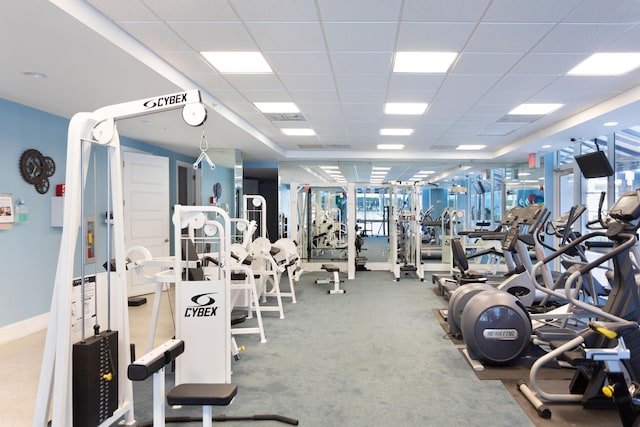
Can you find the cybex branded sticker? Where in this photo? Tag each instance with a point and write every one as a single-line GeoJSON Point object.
{"type": "Point", "coordinates": [204, 306]}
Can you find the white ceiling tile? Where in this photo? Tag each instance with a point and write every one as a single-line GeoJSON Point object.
{"type": "Point", "coordinates": [361, 62]}
{"type": "Point", "coordinates": [360, 37]}
{"type": "Point", "coordinates": [254, 82]}
{"type": "Point", "coordinates": [568, 88]}
{"type": "Point", "coordinates": [124, 10]}
{"type": "Point", "coordinates": [528, 11]}
{"type": "Point", "coordinates": [361, 82]}
{"type": "Point", "coordinates": [409, 81]}
{"type": "Point", "coordinates": [579, 38]}
{"type": "Point", "coordinates": [506, 38]}
{"type": "Point", "coordinates": [314, 105]}
{"type": "Point", "coordinates": [402, 122]}
{"type": "Point", "coordinates": [374, 110]}
{"type": "Point", "coordinates": [604, 11]}
{"type": "Point", "coordinates": [288, 36]}
{"type": "Point", "coordinates": [191, 10]}
{"type": "Point", "coordinates": [628, 42]}
{"type": "Point", "coordinates": [229, 97]}
{"type": "Point", "coordinates": [299, 62]}
{"type": "Point", "coordinates": [363, 96]}
{"type": "Point", "coordinates": [471, 84]}
{"type": "Point", "coordinates": [360, 10]}
{"type": "Point", "coordinates": [157, 36]}
{"type": "Point", "coordinates": [410, 96]}
{"type": "Point", "coordinates": [502, 127]}
{"type": "Point", "coordinates": [301, 81]}
{"type": "Point", "coordinates": [442, 11]}
{"type": "Point", "coordinates": [524, 83]}
{"type": "Point", "coordinates": [221, 36]}
{"type": "Point", "coordinates": [485, 63]}
{"type": "Point", "coordinates": [359, 129]}
{"type": "Point", "coordinates": [434, 36]}
{"type": "Point", "coordinates": [490, 111]}
{"type": "Point", "coordinates": [324, 120]}
{"type": "Point", "coordinates": [188, 62]}
{"type": "Point", "coordinates": [275, 10]}
{"type": "Point", "coordinates": [454, 100]}
{"type": "Point", "coordinates": [503, 99]}
{"type": "Point", "coordinates": [474, 119]}
{"type": "Point", "coordinates": [315, 97]}
{"type": "Point", "coordinates": [547, 63]}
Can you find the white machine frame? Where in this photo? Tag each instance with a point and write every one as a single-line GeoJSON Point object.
{"type": "Point", "coordinates": [255, 208]}
{"type": "Point", "coordinates": [203, 308]}
{"type": "Point", "coordinates": [409, 218]}
{"type": "Point", "coordinates": [86, 129]}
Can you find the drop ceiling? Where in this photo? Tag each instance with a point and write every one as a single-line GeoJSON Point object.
{"type": "Point", "coordinates": [333, 59]}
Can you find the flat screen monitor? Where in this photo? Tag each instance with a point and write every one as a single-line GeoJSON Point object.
{"type": "Point", "coordinates": [594, 165]}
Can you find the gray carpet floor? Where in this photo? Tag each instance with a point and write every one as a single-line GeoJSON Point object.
{"type": "Point", "coordinates": [375, 356]}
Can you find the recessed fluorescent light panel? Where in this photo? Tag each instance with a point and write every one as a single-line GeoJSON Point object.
{"type": "Point", "coordinates": [408, 108]}
{"type": "Point", "coordinates": [423, 62]}
{"type": "Point", "coordinates": [534, 109]}
{"type": "Point", "coordinates": [238, 62]}
{"type": "Point", "coordinates": [470, 147]}
{"type": "Point", "coordinates": [607, 64]}
{"type": "Point", "coordinates": [277, 107]}
{"type": "Point", "coordinates": [610, 124]}
{"type": "Point", "coordinates": [298, 132]}
{"type": "Point", "coordinates": [390, 146]}
{"type": "Point", "coordinates": [396, 132]}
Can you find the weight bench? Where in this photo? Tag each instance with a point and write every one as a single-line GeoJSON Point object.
{"type": "Point", "coordinates": [333, 279]}
{"type": "Point", "coordinates": [205, 395]}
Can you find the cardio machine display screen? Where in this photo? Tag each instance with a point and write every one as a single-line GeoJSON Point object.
{"type": "Point", "coordinates": [627, 208]}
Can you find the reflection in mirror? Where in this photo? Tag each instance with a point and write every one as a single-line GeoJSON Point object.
{"type": "Point", "coordinates": [322, 217]}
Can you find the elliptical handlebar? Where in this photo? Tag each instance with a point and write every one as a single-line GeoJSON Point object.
{"type": "Point", "coordinates": [599, 220]}
{"type": "Point", "coordinates": [627, 244]}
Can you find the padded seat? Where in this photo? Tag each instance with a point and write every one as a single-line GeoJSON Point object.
{"type": "Point", "coordinates": [193, 394]}
{"type": "Point", "coordinates": [330, 268]}
{"type": "Point", "coordinates": [205, 395]}
{"type": "Point", "coordinates": [333, 279]}
{"type": "Point", "coordinates": [460, 261]}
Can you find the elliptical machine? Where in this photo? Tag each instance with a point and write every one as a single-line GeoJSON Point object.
{"type": "Point", "coordinates": [497, 330]}
{"type": "Point", "coordinates": [519, 284]}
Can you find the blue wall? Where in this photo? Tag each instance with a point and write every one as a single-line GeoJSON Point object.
{"type": "Point", "coordinates": [225, 177]}
{"type": "Point", "coordinates": [29, 251]}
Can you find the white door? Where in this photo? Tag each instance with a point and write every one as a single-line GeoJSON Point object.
{"type": "Point", "coordinates": [146, 211]}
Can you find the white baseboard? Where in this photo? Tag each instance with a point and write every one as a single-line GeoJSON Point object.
{"type": "Point", "coordinates": [23, 328]}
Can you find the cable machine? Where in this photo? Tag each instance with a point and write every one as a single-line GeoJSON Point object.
{"type": "Point", "coordinates": [55, 388]}
{"type": "Point", "coordinates": [405, 237]}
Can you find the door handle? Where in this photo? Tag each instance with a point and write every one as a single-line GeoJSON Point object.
{"type": "Point", "coordinates": [166, 240]}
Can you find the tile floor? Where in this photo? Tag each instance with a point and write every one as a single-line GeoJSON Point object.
{"type": "Point", "coordinates": [21, 360]}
